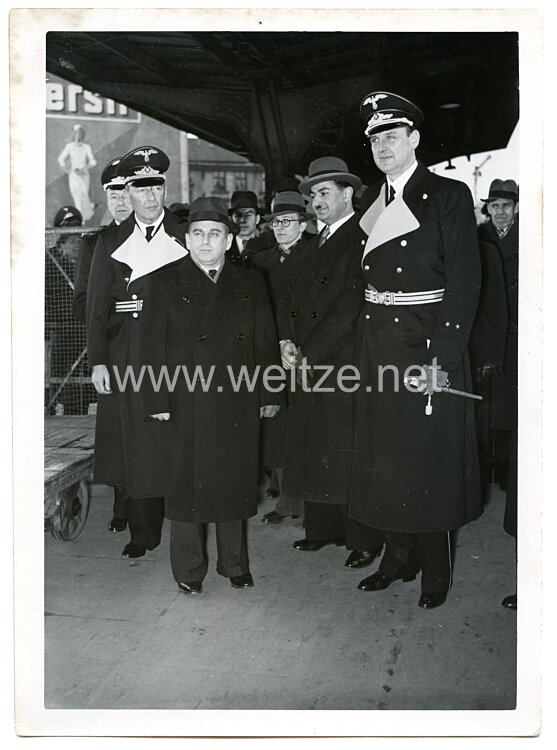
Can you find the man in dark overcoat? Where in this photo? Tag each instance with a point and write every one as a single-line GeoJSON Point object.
{"type": "Point", "coordinates": [279, 265]}
{"type": "Point", "coordinates": [119, 208]}
{"type": "Point", "coordinates": [498, 415]}
{"type": "Point", "coordinates": [415, 472]}
{"type": "Point", "coordinates": [211, 319]}
{"type": "Point", "coordinates": [123, 259]}
{"type": "Point", "coordinates": [317, 324]}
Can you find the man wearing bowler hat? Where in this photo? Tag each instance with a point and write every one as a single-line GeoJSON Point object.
{"type": "Point", "coordinates": [316, 317]}
{"type": "Point", "coordinates": [415, 472]}
{"type": "Point", "coordinates": [119, 208]}
{"type": "Point", "coordinates": [246, 215]}
{"type": "Point", "coordinates": [279, 264]}
{"type": "Point", "coordinates": [125, 255]}
{"type": "Point", "coordinates": [208, 316]}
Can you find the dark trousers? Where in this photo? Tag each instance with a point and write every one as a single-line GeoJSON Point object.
{"type": "Point", "coordinates": [119, 507]}
{"type": "Point", "coordinates": [188, 550]}
{"type": "Point", "coordinates": [145, 516]}
{"type": "Point", "coordinates": [287, 505]}
{"type": "Point", "coordinates": [330, 521]}
{"type": "Point", "coordinates": [407, 554]}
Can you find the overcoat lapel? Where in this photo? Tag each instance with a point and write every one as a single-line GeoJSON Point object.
{"type": "Point", "coordinates": [144, 257]}
{"type": "Point", "coordinates": [229, 294]}
{"type": "Point", "coordinates": [385, 223]}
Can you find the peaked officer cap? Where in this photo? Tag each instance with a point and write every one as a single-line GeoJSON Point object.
{"type": "Point", "coordinates": [381, 110]}
{"type": "Point", "coordinates": [110, 179]}
{"type": "Point", "coordinates": [143, 166]}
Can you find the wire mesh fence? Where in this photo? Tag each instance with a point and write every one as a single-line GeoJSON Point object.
{"type": "Point", "coordinates": [68, 386]}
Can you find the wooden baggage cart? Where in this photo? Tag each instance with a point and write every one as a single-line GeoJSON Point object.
{"type": "Point", "coordinates": [68, 453]}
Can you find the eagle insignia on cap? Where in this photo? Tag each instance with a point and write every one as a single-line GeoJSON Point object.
{"type": "Point", "coordinates": [373, 100]}
{"type": "Point", "coordinates": [145, 153]}
{"type": "Point", "coordinates": [145, 171]}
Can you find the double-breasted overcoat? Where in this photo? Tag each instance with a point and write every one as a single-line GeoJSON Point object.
{"type": "Point", "coordinates": [221, 332]}
{"type": "Point", "coordinates": [318, 312]}
{"type": "Point", "coordinates": [126, 447]}
{"type": "Point", "coordinates": [414, 472]}
{"type": "Point", "coordinates": [278, 275]}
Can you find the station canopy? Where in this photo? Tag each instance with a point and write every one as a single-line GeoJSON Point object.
{"type": "Point", "coordinates": [284, 98]}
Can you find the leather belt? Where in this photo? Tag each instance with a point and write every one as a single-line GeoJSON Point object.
{"type": "Point", "coordinates": [403, 298]}
{"type": "Point", "coordinates": [132, 305]}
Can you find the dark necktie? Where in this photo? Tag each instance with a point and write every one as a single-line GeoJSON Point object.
{"type": "Point", "coordinates": [391, 195]}
{"type": "Point", "coordinates": [149, 233]}
{"type": "Point", "coordinates": [213, 273]}
{"type": "Point", "coordinates": [324, 235]}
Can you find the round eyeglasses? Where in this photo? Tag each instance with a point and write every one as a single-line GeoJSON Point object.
{"type": "Point", "coordinates": [283, 222]}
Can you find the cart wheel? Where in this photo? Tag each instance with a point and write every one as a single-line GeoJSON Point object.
{"type": "Point", "coordinates": [71, 513]}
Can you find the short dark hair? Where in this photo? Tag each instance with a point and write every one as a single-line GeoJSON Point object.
{"type": "Point", "coordinates": [341, 185]}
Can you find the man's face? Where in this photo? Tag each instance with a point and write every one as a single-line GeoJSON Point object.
{"type": "Point", "coordinates": [502, 212]}
{"type": "Point", "coordinates": [207, 242]}
{"type": "Point", "coordinates": [394, 150]}
{"type": "Point", "coordinates": [330, 202]}
{"type": "Point", "coordinates": [147, 201]}
{"type": "Point", "coordinates": [118, 204]}
{"type": "Point", "coordinates": [286, 236]}
{"type": "Point", "coordinates": [247, 219]}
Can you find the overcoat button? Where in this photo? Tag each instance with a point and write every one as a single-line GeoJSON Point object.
{"type": "Point", "coordinates": [403, 243]}
{"type": "Point", "coordinates": [366, 268]}
{"type": "Point", "coordinates": [201, 337]}
{"type": "Point", "coordinates": [399, 270]}
{"type": "Point", "coordinates": [396, 320]}
{"type": "Point", "coordinates": [424, 196]}
{"type": "Point", "coordinates": [368, 316]}
{"type": "Point", "coordinates": [314, 315]}
{"type": "Point", "coordinates": [135, 315]}
{"type": "Point", "coordinates": [363, 242]}
{"type": "Point", "coordinates": [241, 336]}
{"type": "Point", "coordinates": [134, 296]}
{"type": "Point", "coordinates": [292, 313]}
{"type": "Point", "coordinates": [127, 279]}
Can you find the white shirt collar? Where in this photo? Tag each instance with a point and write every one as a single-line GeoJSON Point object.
{"type": "Point", "coordinates": [337, 224]}
{"type": "Point", "coordinates": [402, 179]}
{"type": "Point", "coordinates": [144, 226]}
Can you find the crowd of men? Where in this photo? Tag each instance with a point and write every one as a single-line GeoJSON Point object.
{"type": "Point", "coordinates": [386, 296]}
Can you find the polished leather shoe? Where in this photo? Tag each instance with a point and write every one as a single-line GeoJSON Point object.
{"type": "Point", "coordinates": [133, 550]}
{"type": "Point", "coordinates": [190, 587]}
{"type": "Point", "coordinates": [244, 581]}
{"type": "Point", "coordinates": [118, 524]}
{"type": "Point", "coordinates": [272, 517]}
{"type": "Point", "coordinates": [361, 558]}
{"type": "Point", "coordinates": [309, 545]}
{"type": "Point", "coordinates": [379, 581]}
{"type": "Point", "coordinates": [509, 602]}
{"type": "Point", "coordinates": [430, 601]}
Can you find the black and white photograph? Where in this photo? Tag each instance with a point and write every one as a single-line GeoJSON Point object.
{"type": "Point", "coordinates": [277, 372]}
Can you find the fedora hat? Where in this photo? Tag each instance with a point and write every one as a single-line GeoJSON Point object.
{"type": "Point", "coordinates": [502, 189]}
{"type": "Point", "coordinates": [287, 202]}
{"type": "Point", "coordinates": [328, 168]}
{"type": "Point", "coordinates": [210, 209]}
{"type": "Point", "coordinates": [243, 199]}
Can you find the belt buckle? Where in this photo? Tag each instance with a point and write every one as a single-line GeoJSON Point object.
{"type": "Point", "coordinates": [385, 298]}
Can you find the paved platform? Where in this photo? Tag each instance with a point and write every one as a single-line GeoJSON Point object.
{"type": "Point", "coordinates": [119, 635]}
